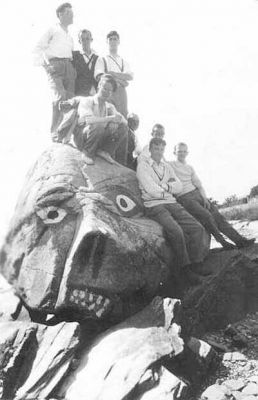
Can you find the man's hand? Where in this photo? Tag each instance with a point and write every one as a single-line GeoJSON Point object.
{"type": "Point", "coordinates": [49, 68]}
{"type": "Point", "coordinates": [206, 203]}
{"type": "Point", "coordinates": [112, 127]}
{"type": "Point", "coordinates": [117, 119]}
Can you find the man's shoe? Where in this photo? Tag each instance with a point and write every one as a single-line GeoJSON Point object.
{"type": "Point", "coordinates": [88, 160]}
{"type": "Point", "coordinates": [106, 156]}
{"type": "Point", "coordinates": [245, 242]}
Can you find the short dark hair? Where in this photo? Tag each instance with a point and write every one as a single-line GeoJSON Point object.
{"type": "Point", "coordinates": [113, 33]}
{"type": "Point", "coordinates": [156, 142]}
{"type": "Point", "coordinates": [157, 126]}
{"type": "Point", "coordinates": [83, 31]}
{"type": "Point", "coordinates": [109, 78]}
{"type": "Point", "coordinates": [62, 7]}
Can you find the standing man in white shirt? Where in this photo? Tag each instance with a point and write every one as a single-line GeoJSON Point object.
{"type": "Point", "coordinates": [116, 66]}
{"type": "Point", "coordinates": [194, 199]}
{"type": "Point", "coordinates": [158, 184]}
{"type": "Point", "coordinates": [54, 53]}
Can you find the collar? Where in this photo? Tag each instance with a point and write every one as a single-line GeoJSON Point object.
{"type": "Point", "coordinates": [153, 162]}
{"type": "Point", "coordinates": [96, 102]}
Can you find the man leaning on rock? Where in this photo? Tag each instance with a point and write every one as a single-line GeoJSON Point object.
{"type": "Point", "coordinates": [54, 53]}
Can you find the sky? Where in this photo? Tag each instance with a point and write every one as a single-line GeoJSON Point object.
{"type": "Point", "coordinates": [195, 66]}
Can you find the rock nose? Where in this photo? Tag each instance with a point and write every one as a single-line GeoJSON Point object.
{"type": "Point", "coordinates": [91, 252]}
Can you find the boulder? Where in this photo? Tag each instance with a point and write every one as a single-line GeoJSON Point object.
{"type": "Point", "coordinates": [227, 295]}
{"type": "Point", "coordinates": [116, 362]}
{"type": "Point", "coordinates": [34, 358]}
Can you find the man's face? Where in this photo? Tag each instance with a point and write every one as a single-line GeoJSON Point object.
{"type": "Point", "coordinates": [85, 40]}
{"type": "Point", "coordinates": [113, 43]}
{"type": "Point", "coordinates": [181, 153]}
{"type": "Point", "coordinates": [66, 17]}
{"type": "Point", "coordinates": [158, 132]}
{"type": "Point", "coordinates": [134, 123]}
{"type": "Point", "coordinates": [105, 90]}
{"type": "Point", "coordinates": [157, 152]}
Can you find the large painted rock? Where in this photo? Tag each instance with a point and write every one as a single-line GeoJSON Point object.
{"type": "Point", "coordinates": [78, 239]}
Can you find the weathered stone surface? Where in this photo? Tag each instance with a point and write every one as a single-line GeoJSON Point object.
{"type": "Point", "coordinates": [196, 362]}
{"type": "Point", "coordinates": [9, 302]}
{"type": "Point", "coordinates": [163, 386]}
{"type": "Point", "coordinates": [234, 384]}
{"type": "Point", "coordinates": [215, 392]}
{"type": "Point", "coordinates": [56, 348]}
{"type": "Point", "coordinates": [118, 359]}
{"type": "Point", "coordinates": [78, 240]}
{"type": "Point", "coordinates": [18, 346]}
{"type": "Point", "coordinates": [251, 389]}
{"type": "Point", "coordinates": [229, 294]}
{"type": "Point", "coordinates": [234, 356]}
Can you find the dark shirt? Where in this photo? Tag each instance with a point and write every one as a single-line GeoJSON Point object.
{"type": "Point", "coordinates": [85, 73]}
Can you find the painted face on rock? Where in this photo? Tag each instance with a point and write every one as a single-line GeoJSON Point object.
{"type": "Point", "coordinates": [78, 239]}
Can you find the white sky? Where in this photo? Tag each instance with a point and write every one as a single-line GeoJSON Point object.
{"type": "Point", "coordinates": [196, 72]}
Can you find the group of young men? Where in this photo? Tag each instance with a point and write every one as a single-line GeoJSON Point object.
{"type": "Point", "coordinates": [90, 105]}
{"type": "Point", "coordinates": [173, 196]}
{"type": "Point", "coordinates": [79, 74]}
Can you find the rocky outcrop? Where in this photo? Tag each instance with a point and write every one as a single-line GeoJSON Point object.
{"type": "Point", "coordinates": [227, 294]}
{"type": "Point", "coordinates": [34, 358]}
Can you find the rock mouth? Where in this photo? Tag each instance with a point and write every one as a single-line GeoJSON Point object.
{"type": "Point", "coordinates": [90, 303]}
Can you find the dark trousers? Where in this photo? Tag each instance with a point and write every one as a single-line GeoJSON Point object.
{"type": "Point", "coordinates": [62, 83]}
{"type": "Point", "coordinates": [186, 236]}
{"type": "Point", "coordinates": [98, 137]}
{"type": "Point", "coordinates": [211, 219]}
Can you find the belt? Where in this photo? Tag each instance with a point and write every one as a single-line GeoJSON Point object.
{"type": "Point", "coordinates": [60, 59]}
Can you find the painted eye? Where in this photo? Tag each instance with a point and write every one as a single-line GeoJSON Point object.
{"type": "Point", "coordinates": [125, 203]}
{"type": "Point", "coordinates": [51, 215]}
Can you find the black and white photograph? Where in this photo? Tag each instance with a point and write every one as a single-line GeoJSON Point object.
{"type": "Point", "coordinates": [129, 201]}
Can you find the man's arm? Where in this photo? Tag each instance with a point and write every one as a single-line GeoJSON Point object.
{"type": "Point", "coordinates": [198, 184]}
{"type": "Point", "coordinates": [174, 185]}
{"type": "Point", "coordinates": [143, 174]}
{"type": "Point", "coordinates": [40, 58]}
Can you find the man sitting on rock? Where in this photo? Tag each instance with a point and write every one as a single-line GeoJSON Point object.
{"type": "Point", "coordinates": [193, 198]}
{"type": "Point", "coordinates": [158, 184]}
{"type": "Point", "coordinates": [158, 131]}
{"type": "Point", "coordinates": [100, 127]}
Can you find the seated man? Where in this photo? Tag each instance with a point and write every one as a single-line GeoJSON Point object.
{"type": "Point", "coordinates": [132, 151]}
{"type": "Point", "coordinates": [186, 236]}
{"type": "Point", "coordinates": [100, 128]}
{"type": "Point", "coordinates": [194, 200]}
{"type": "Point", "coordinates": [158, 131]}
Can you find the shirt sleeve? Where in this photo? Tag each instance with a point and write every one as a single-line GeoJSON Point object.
{"type": "Point", "coordinates": [99, 67]}
{"type": "Point", "coordinates": [41, 47]}
{"type": "Point", "coordinates": [195, 179]}
{"type": "Point", "coordinates": [127, 69]}
{"type": "Point", "coordinates": [175, 185]}
{"type": "Point", "coordinates": [144, 177]}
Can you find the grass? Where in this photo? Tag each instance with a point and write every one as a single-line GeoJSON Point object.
{"type": "Point", "coordinates": [247, 211]}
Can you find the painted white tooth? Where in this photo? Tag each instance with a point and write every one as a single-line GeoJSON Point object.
{"type": "Point", "coordinates": [90, 297]}
{"type": "Point", "coordinates": [82, 294]}
{"type": "Point", "coordinates": [75, 292]}
{"type": "Point", "coordinates": [106, 302]}
{"type": "Point", "coordinates": [91, 307]}
{"type": "Point", "coordinates": [100, 312]}
{"type": "Point", "coordinates": [71, 298]}
{"type": "Point", "coordinates": [83, 303]}
{"type": "Point", "coordinates": [76, 301]}
{"type": "Point", "coordinates": [99, 299]}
